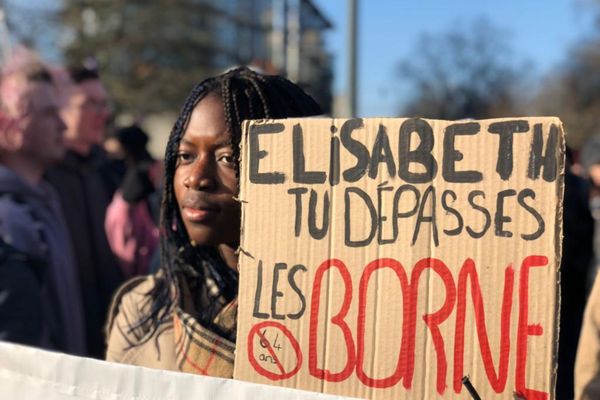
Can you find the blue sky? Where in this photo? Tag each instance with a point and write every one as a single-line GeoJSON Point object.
{"type": "Point", "coordinates": [539, 31]}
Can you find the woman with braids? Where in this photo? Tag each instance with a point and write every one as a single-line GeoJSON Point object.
{"type": "Point", "coordinates": [184, 317]}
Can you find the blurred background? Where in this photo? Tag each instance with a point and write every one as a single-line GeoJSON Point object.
{"type": "Point", "coordinates": [432, 58]}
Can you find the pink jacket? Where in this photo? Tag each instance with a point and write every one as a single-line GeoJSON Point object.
{"type": "Point", "coordinates": [132, 235]}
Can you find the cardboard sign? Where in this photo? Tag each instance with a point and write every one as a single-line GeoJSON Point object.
{"type": "Point", "coordinates": [28, 373]}
{"type": "Point", "coordinates": [391, 258]}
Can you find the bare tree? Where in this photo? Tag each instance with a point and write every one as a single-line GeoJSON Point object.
{"type": "Point", "coordinates": [150, 53]}
{"type": "Point", "coordinates": [467, 72]}
{"type": "Point", "coordinates": [572, 92]}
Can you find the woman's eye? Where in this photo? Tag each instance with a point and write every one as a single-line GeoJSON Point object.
{"type": "Point", "coordinates": [227, 159]}
{"type": "Point", "coordinates": [183, 157]}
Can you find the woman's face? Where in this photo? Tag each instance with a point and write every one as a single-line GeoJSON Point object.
{"type": "Point", "coordinates": [205, 180]}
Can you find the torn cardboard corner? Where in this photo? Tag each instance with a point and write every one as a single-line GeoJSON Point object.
{"type": "Point", "coordinates": [393, 257]}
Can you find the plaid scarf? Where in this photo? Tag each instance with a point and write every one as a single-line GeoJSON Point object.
{"type": "Point", "coordinates": [200, 350]}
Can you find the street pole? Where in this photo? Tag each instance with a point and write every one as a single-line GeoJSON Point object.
{"type": "Point", "coordinates": [279, 35]}
{"type": "Point", "coordinates": [294, 38]}
{"type": "Point", "coordinates": [352, 59]}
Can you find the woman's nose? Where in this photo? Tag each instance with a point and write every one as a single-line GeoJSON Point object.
{"type": "Point", "coordinates": [201, 175]}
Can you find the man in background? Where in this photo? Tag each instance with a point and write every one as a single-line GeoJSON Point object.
{"type": "Point", "coordinates": [85, 186]}
{"type": "Point", "coordinates": [40, 297]}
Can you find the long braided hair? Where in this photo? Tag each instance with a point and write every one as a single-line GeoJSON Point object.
{"type": "Point", "coordinates": [245, 95]}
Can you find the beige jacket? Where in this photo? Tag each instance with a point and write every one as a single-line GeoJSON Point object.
{"type": "Point", "coordinates": [587, 364]}
{"type": "Point", "coordinates": [180, 345]}
{"type": "Point", "coordinates": [128, 305]}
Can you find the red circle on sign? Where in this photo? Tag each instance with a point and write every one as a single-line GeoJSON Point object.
{"type": "Point", "coordinates": [252, 358]}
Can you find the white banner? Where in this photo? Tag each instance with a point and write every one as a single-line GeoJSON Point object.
{"type": "Point", "coordinates": [27, 373]}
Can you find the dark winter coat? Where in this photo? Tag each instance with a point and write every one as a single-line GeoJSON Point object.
{"type": "Point", "coordinates": [85, 187]}
{"type": "Point", "coordinates": [40, 297]}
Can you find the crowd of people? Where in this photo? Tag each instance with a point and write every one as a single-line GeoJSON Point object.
{"type": "Point", "coordinates": [75, 219]}
{"type": "Point", "coordinates": [81, 210]}
{"type": "Point", "coordinates": [106, 252]}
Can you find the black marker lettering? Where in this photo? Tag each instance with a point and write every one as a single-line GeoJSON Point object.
{"type": "Point", "coordinates": [301, 175]}
{"type": "Point", "coordinates": [348, 220]}
{"type": "Point", "coordinates": [451, 155]}
{"type": "Point", "coordinates": [334, 162]}
{"type": "Point", "coordinates": [453, 211]}
{"type": "Point", "coordinates": [276, 293]}
{"type": "Point", "coordinates": [421, 217]}
{"type": "Point", "coordinates": [356, 148]}
{"type": "Point", "coordinates": [297, 290]}
{"type": "Point", "coordinates": [298, 192]}
{"type": "Point", "coordinates": [541, 225]}
{"type": "Point", "coordinates": [549, 160]}
{"type": "Point", "coordinates": [396, 213]}
{"type": "Point", "coordinates": [256, 154]}
{"type": "Point", "coordinates": [256, 313]}
{"type": "Point", "coordinates": [486, 214]}
{"type": "Point", "coordinates": [499, 218]}
{"type": "Point", "coordinates": [382, 153]}
{"type": "Point", "coordinates": [422, 155]}
{"type": "Point", "coordinates": [380, 217]}
{"type": "Point", "coordinates": [315, 232]}
{"type": "Point", "coordinates": [505, 130]}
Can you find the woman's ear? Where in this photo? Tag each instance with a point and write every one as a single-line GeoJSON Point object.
{"type": "Point", "coordinates": [11, 134]}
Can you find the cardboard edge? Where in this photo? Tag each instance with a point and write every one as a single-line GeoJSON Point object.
{"type": "Point", "coordinates": [560, 191]}
{"type": "Point", "coordinates": [242, 250]}
{"type": "Point", "coordinates": [243, 170]}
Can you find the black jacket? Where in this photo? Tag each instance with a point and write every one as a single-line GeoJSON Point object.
{"type": "Point", "coordinates": [85, 186]}
{"type": "Point", "coordinates": [40, 297]}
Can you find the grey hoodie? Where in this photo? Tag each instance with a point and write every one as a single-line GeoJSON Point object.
{"type": "Point", "coordinates": [31, 221]}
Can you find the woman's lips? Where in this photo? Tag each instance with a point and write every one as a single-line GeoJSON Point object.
{"type": "Point", "coordinates": [199, 215]}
